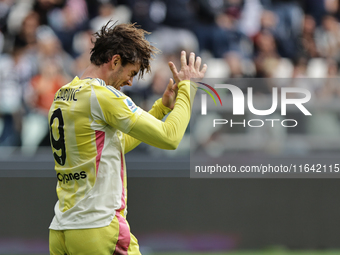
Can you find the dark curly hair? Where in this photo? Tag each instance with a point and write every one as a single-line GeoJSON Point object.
{"type": "Point", "coordinates": [127, 40]}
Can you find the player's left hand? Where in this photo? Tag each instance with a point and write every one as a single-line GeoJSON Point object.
{"type": "Point", "coordinates": [170, 94]}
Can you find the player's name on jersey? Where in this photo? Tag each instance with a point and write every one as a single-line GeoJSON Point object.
{"type": "Point", "coordinates": [66, 94]}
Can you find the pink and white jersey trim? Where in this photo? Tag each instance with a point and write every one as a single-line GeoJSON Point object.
{"type": "Point", "coordinates": [100, 139]}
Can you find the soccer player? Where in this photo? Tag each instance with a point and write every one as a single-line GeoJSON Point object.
{"type": "Point", "coordinates": [93, 124]}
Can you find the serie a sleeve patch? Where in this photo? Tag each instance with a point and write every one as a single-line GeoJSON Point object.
{"type": "Point", "coordinates": [131, 105]}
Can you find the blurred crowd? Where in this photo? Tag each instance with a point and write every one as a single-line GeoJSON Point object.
{"type": "Point", "coordinates": [45, 43]}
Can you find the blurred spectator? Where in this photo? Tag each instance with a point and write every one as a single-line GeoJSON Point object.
{"type": "Point", "coordinates": [331, 88]}
{"type": "Point", "coordinates": [267, 57]}
{"type": "Point", "coordinates": [147, 13]}
{"type": "Point", "coordinates": [92, 8]}
{"type": "Point", "coordinates": [49, 47]}
{"type": "Point", "coordinates": [229, 37]}
{"type": "Point", "coordinates": [205, 25]}
{"type": "Point", "coordinates": [168, 22]}
{"type": "Point", "coordinates": [67, 21]}
{"type": "Point", "coordinates": [15, 72]}
{"type": "Point", "coordinates": [5, 6]}
{"type": "Point", "coordinates": [43, 7]}
{"type": "Point", "coordinates": [319, 8]}
{"type": "Point", "coordinates": [82, 45]}
{"type": "Point", "coordinates": [159, 82]}
{"type": "Point", "coordinates": [328, 38]}
{"type": "Point", "coordinates": [284, 22]}
{"type": "Point", "coordinates": [179, 14]}
{"type": "Point", "coordinates": [300, 68]}
{"type": "Point", "coordinates": [269, 21]}
{"type": "Point", "coordinates": [307, 43]}
{"type": "Point", "coordinates": [235, 65]}
{"type": "Point", "coordinates": [44, 85]}
{"type": "Point", "coordinates": [42, 89]}
{"type": "Point", "coordinates": [250, 20]}
{"type": "Point", "coordinates": [17, 14]}
{"type": "Point", "coordinates": [172, 40]}
{"type": "Point", "coordinates": [170, 32]}
{"type": "Point", "coordinates": [333, 69]}
{"type": "Point", "coordinates": [29, 29]}
{"type": "Point", "coordinates": [108, 11]}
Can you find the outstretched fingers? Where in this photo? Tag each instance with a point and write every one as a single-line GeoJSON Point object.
{"type": "Point", "coordinates": [204, 69]}
{"type": "Point", "coordinates": [174, 71]}
{"type": "Point", "coordinates": [183, 59]}
{"type": "Point", "coordinates": [198, 63]}
{"type": "Point", "coordinates": [190, 70]}
{"type": "Point", "coordinates": [191, 59]}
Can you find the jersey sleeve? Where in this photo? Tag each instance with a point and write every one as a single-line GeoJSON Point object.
{"type": "Point", "coordinates": [158, 110]}
{"type": "Point", "coordinates": [168, 134]}
{"type": "Point", "coordinates": [118, 111]}
{"type": "Point", "coordinates": [114, 108]}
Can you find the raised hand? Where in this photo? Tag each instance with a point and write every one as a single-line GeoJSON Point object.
{"type": "Point", "coordinates": [188, 71]}
{"type": "Point", "coordinates": [170, 94]}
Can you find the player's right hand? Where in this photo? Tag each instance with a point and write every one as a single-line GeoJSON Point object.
{"type": "Point", "coordinates": [188, 71]}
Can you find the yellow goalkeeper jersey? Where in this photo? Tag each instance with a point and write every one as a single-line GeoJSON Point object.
{"type": "Point", "coordinates": [92, 126]}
